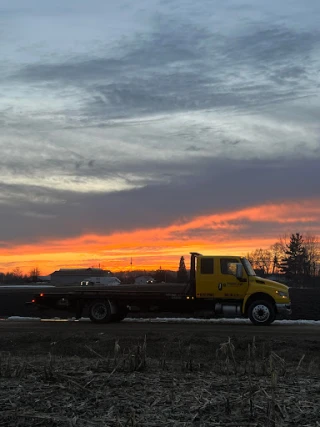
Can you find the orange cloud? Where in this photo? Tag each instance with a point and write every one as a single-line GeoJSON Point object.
{"type": "Point", "coordinates": [150, 248]}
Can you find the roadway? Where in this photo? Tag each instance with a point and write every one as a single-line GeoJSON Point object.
{"type": "Point", "coordinates": [184, 330]}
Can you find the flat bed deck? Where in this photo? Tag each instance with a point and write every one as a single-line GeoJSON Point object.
{"type": "Point", "coordinates": [154, 290]}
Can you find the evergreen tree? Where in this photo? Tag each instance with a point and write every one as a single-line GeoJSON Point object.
{"type": "Point", "coordinates": [296, 260]}
{"type": "Point", "coordinates": [182, 274]}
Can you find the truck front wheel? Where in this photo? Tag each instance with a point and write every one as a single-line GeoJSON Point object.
{"type": "Point", "coordinates": [100, 312]}
{"type": "Point", "coordinates": [261, 313]}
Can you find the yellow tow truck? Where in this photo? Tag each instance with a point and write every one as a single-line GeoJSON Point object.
{"type": "Point", "coordinates": [224, 286]}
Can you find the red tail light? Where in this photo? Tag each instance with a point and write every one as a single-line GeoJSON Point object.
{"type": "Point", "coordinates": [42, 295]}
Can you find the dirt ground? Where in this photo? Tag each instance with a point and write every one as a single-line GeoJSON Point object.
{"type": "Point", "coordinates": [92, 378]}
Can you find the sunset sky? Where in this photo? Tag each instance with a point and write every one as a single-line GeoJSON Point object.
{"type": "Point", "coordinates": [153, 128]}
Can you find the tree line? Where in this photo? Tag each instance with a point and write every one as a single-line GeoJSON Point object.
{"type": "Point", "coordinates": [16, 276]}
{"type": "Point", "coordinates": [292, 256]}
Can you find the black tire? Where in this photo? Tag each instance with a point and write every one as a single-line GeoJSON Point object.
{"type": "Point", "coordinates": [262, 313]}
{"type": "Point", "coordinates": [100, 312]}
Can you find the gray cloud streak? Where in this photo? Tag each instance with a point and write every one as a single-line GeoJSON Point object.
{"type": "Point", "coordinates": [181, 67]}
{"type": "Point", "coordinates": [211, 187]}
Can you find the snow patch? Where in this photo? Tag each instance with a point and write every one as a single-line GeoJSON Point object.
{"type": "Point", "coordinates": [167, 320]}
{"type": "Point", "coordinates": [237, 321]}
{"type": "Point", "coordinates": [22, 319]}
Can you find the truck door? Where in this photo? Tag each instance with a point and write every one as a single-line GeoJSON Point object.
{"type": "Point", "coordinates": [205, 277]}
{"type": "Point", "coordinates": [229, 287]}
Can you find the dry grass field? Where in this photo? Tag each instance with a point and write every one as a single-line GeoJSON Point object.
{"type": "Point", "coordinates": [92, 379]}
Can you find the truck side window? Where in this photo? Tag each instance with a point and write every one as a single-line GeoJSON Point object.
{"type": "Point", "coordinates": [228, 266]}
{"type": "Point", "coordinates": [206, 266]}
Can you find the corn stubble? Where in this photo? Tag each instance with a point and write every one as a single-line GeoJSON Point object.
{"type": "Point", "coordinates": [129, 387]}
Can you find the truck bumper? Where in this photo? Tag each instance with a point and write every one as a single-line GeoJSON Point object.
{"type": "Point", "coordinates": [284, 310]}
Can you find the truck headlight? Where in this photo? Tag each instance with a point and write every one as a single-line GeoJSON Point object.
{"type": "Point", "coordinates": [283, 294]}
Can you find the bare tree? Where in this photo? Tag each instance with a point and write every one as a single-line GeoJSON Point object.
{"type": "Point", "coordinates": [284, 241]}
{"type": "Point", "coordinates": [261, 259]}
{"type": "Point", "coordinates": [312, 246]}
{"type": "Point", "coordinates": [17, 272]}
{"type": "Point", "coordinates": [278, 251]}
{"type": "Point", "coordinates": [34, 274]}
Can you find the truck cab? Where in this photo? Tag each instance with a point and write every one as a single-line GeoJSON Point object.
{"type": "Point", "coordinates": [236, 289]}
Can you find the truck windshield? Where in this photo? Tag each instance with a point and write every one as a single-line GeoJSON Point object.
{"type": "Point", "coordinates": [248, 267]}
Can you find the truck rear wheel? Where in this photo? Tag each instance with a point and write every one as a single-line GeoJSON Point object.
{"type": "Point", "coordinates": [100, 312]}
{"type": "Point", "coordinates": [261, 313]}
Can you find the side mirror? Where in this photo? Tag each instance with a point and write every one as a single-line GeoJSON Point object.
{"type": "Point", "coordinates": [239, 271]}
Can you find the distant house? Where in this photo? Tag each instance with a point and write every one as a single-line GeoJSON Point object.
{"type": "Point", "coordinates": [71, 276]}
{"type": "Point", "coordinates": [142, 280]}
